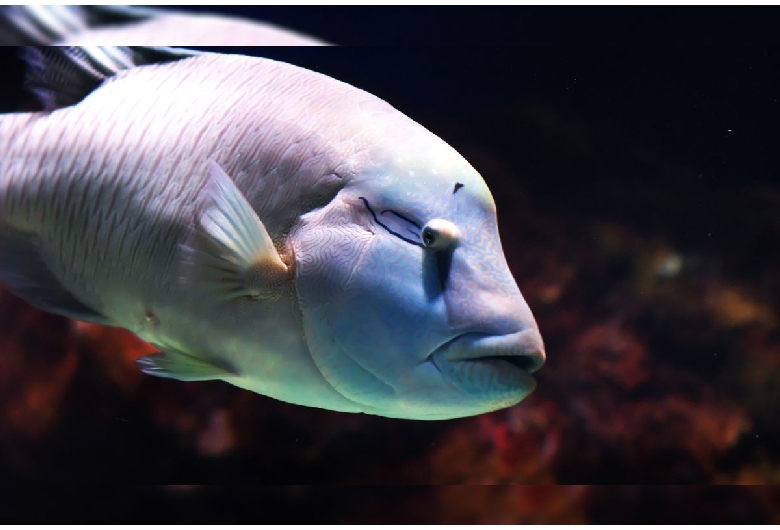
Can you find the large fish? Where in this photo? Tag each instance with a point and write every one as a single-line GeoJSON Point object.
{"type": "Point", "coordinates": [122, 25]}
{"type": "Point", "coordinates": [264, 225]}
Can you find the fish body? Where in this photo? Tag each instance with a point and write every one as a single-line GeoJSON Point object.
{"type": "Point", "coordinates": [271, 227]}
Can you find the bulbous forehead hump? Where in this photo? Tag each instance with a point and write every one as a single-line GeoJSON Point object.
{"type": "Point", "coordinates": [422, 162]}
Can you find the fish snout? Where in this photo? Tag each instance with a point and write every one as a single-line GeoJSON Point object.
{"type": "Point", "coordinates": [523, 349]}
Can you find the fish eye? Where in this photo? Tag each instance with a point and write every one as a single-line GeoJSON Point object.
{"type": "Point", "coordinates": [440, 234]}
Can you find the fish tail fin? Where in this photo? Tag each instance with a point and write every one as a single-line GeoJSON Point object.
{"type": "Point", "coordinates": [63, 75]}
{"type": "Point", "coordinates": [46, 25]}
{"type": "Point", "coordinates": [37, 24]}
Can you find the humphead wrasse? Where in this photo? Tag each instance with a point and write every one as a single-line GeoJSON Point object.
{"type": "Point", "coordinates": [264, 225]}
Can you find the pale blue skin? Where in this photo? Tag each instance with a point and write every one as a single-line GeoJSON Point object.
{"type": "Point", "coordinates": [109, 191]}
{"type": "Point", "coordinates": [375, 310]}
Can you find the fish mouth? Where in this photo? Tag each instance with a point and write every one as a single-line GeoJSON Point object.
{"type": "Point", "coordinates": [523, 350]}
{"type": "Point", "coordinates": [505, 362]}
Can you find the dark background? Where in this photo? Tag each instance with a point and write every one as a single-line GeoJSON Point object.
{"type": "Point", "coordinates": [677, 78]}
{"type": "Point", "coordinates": [617, 142]}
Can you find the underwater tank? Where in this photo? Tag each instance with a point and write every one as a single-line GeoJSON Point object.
{"type": "Point", "coordinates": [632, 155]}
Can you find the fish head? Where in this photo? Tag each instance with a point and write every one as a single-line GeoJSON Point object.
{"type": "Point", "coordinates": [408, 304]}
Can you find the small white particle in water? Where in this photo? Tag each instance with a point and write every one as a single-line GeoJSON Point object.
{"type": "Point", "coordinates": [728, 130]}
{"type": "Point", "coordinates": [671, 266]}
{"type": "Point", "coordinates": [411, 173]}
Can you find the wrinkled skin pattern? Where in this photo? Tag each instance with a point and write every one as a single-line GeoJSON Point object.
{"type": "Point", "coordinates": [376, 304]}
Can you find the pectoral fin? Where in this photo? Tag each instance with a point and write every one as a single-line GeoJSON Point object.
{"type": "Point", "coordinates": [230, 251]}
{"type": "Point", "coordinates": [24, 271]}
{"type": "Point", "coordinates": [176, 364]}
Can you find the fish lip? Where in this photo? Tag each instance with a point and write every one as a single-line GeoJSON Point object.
{"type": "Point", "coordinates": [523, 349]}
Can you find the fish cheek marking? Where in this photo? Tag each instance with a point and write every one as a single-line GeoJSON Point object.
{"type": "Point", "coordinates": [404, 218]}
{"type": "Point", "coordinates": [380, 223]}
{"type": "Point", "coordinates": [458, 186]}
{"type": "Point", "coordinates": [443, 264]}
{"type": "Point", "coordinates": [431, 283]}
{"type": "Point", "coordinates": [436, 266]}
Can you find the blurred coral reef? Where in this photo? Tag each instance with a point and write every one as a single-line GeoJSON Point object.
{"type": "Point", "coordinates": [657, 294]}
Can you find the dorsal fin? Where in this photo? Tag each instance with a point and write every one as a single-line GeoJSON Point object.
{"type": "Point", "coordinates": [64, 75]}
